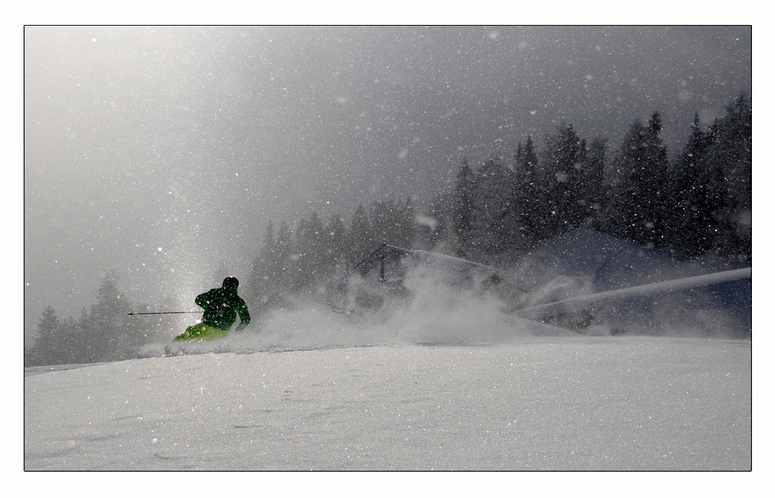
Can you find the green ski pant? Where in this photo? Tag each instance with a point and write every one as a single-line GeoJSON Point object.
{"type": "Point", "coordinates": [202, 332]}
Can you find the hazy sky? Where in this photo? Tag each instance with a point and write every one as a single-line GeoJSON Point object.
{"type": "Point", "coordinates": [163, 152]}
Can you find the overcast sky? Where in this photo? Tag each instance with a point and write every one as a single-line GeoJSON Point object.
{"type": "Point", "coordinates": [163, 152]}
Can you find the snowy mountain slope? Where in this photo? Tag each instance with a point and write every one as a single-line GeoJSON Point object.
{"type": "Point", "coordinates": [530, 404]}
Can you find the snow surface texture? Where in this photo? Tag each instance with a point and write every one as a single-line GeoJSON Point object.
{"type": "Point", "coordinates": [599, 403]}
{"type": "Point", "coordinates": [445, 382]}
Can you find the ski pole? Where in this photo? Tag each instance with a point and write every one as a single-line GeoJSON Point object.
{"type": "Point", "coordinates": [163, 312]}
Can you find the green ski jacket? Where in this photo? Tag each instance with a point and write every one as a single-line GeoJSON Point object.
{"type": "Point", "coordinates": [221, 307]}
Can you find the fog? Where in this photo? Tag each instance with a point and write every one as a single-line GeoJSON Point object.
{"type": "Point", "coordinates": [163, 152]}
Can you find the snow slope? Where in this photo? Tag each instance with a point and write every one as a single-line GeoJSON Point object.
{"type": "Point", "coordinates": [604, 403]}
{"type": "Point", "coordinates": [446, 383]}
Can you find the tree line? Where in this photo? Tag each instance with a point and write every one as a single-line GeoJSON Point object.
{"type": "Point", "coordinates": [700, 201]}
{"type": "Point", "coordinates": [696, 202]}
{"type": "Point", "coordinates": [104, 332]}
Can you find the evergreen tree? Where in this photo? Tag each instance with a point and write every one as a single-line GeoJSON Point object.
{"type": "Point", "coordinates": [106, 330]}
{"type": "Point", "coordinates": [47, 347]}
{"type": "Point", "coordinates": [361, 240]}
{"type": "Point", "coordinates": [294, 264]}
{"type": "Point", "coordinates": [274, 271]}
{"type": "Point", "coordinates": [269, 247]}
{"type": "Point", "coordinates": [529, 160]}
{"type": "Point", "coordinates": [69, 333]}
{"type": "Point", "coordinates": [263, 271]}
{"type": "Point", "coordinates": [263, 276]}
{"type": "Point", "coordinates": [592, 189]}
{"type": "Point", "coordinates": [335, 245]}
{"type": "Point", "coordinates": [730, 158]}
{"type": "Point", "coordinates": [282, 263]}
{"type": "Point", "coordinates": [463, 210]}
{"type": "Point", "coordinates": [525, 205]}
{"type": "Point", "coordinates": [407, 223]}
{"type": "Point", "coordinates": [688, 224]}
{"type": "Point", "coordinates": [81, 338]}
{"type": "Point", "coordinates": [702, 203]}
{"type": "Point", "coordinates": [310, 251]}
{"type": "Point", "coordinates": [659, 180]}
{"type": "Point", "coordinates": [519, 156]}
{"type": "Point", "coordinates": [491, 198]}
{"type": "Point", "coordinates": [637, 205]}
{"type": "Point", "coordinates": [383, 222]}
{"type": "Point", "coordinates": [564, 207]}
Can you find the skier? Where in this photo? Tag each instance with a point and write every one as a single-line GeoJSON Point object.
{"type": "Point", "coordinates": [221, 305]}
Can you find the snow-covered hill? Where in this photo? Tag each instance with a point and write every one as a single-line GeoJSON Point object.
{"type": "Point", "coordinates": [533, 404]}
{"type": "Point", "coordinates": [447, 382]}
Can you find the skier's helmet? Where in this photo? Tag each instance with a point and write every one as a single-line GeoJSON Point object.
{"type": "Point", "coordinates": [230, 282]}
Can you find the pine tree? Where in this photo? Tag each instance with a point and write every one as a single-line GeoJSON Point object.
{"type": "Point", "coordinates": [107, 329]}
{"type": "Point", "coordinates": [69, 332]}
{"type": "Point", "coordinates": [361, 240]}
{"type": "Point", "coordinates": [46, 350]}
{"type": "Point", "coordinates": [592, 187]}
{"type": "Point", "coordinates": [335, 245]}
{"type": "Point", "coordinates": [637, 205]}
{"type": "Point", "coordinates": [263, 274]}
{"type": "Point", "coordinates": [490, 231]}
{"type": "Point", "coordinates": [730, 165]}
{"type": "Point", "coordinates": [462, 209]}
{"type": "Point", "coordinates": [659, 181]}
{"type": "Point", "coordinates": [81, 338]}
{"type": "Point", "coordinates": [562, 167]}
{"type": "Point", "coordinates": [383, 216]}
{"type": "Point", "coordinates": [295, 262]}
{"type": "Point", "coordinates": [525, 205]}
{"type": "Point", "coordinates": [269, 242]}
{"type": "Point", "coordinates": [274, 272]}
{"type": "Point", "coordinates": [310, 250]}
{"type": "Point", "coordinates": [530, 160]}
{"type": "Point", "coordinates": [689, 221]}
{"type": "Point", "coordinates": [519, 156]}
{"type": "Point", "coordinates": [282, 265]}
{"type": "Point", "coordinates": [407, 223]}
